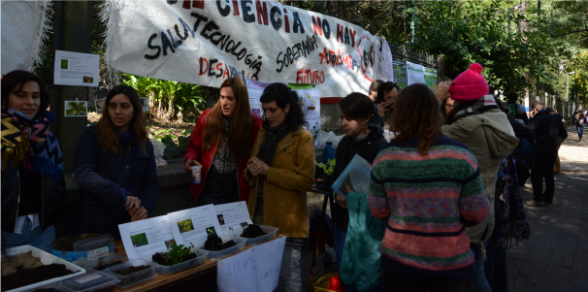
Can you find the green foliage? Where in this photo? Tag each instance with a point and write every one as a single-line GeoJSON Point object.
{"type": "Point", "coordinates": [329, 167]}
{"type": "Point", "coordinates": [178, 252]}
{"type": "Point", "coordinates": [175, 97]}
{"type": "Point", "coordinates": [476, 31]}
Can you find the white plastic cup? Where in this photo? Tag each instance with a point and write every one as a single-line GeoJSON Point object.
{"type": "Point", "coordinates": [196, 174]}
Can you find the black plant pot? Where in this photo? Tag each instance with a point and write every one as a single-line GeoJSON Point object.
{"type": "Point", "coordinates": [328, 181]}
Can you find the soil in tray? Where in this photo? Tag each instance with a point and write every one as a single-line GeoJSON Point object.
{"type": "Point", "coordinates": [253, 231]}
{"type": "Point", "coordinates": [24, 277]}
{"type": "Point", "coordinates": [130, 270]}
{"type": "Point", "coordinates": [102, 267]}
{"type": "Point", "coordinates": [215, 243]}
{"type": "Point", "coordinates": [164, 260]}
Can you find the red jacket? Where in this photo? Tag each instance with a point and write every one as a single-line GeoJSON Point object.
{"type": "Point", "coordinates": [194, 151]}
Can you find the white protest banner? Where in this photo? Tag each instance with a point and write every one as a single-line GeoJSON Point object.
{"type": "Point", "coordinates": [25, 25]}
{"type": "Point", "coordinates": [232, 217]}
{"type": "Point", "coordinates": [145, 237]}
{"type": "Point", "coordinates": [256, 269]}
{"type": "Point", "coordinates": [415, 73]}
{"type": "Point", "coordinates": [194, 225]}
{"type": "Point", "coordinates": [204, 42]}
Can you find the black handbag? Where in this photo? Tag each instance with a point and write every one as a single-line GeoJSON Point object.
{"type": "Point", "coordinates": [500, 207]}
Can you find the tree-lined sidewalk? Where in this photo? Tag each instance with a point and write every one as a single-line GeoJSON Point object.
{"type": "Point", "coordinates": [555, 257]}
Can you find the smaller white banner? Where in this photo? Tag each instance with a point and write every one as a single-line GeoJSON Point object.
{"type": "Point", "coordinates": [145, 237]}
{"type": "Point", "coordinates": [254, 270]}
{"type": "Point", "coordinates": [194, 225]}
{"type": "Point", "coordinates": [415, 73]}
{"type": "Point", "coordinates": [76, 69]}
{"type": "Point", "coordinates": [233, 217]}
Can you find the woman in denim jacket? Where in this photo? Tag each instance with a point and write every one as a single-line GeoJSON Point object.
{"type": "Point", "coordinates": [114, 168]}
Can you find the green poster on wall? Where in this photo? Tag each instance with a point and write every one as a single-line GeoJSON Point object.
{"type": "Point", "coordinates": [399, 72]}
{"type": "Point", "coordinates": [431, 78]}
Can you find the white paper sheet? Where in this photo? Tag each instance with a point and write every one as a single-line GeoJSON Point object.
{"type": "Point", "coordinates": [145, 237]}
{"type": "Point", "coordinates": [233, 216]}
{"type": "Point", "coordinates": [194, 225]}
{"type": "Point", "coordinates": [76, 69]}
{"type": "Point", "coordinates": [310, 101]}
{"type": "Point", "coordinates": [255, 90]}
{"type": "Point", "coordinates": [415, 73]}
{"type": "Point", "coordinates": [255, 270]}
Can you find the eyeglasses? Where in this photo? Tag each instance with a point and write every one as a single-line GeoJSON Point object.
{"type": "Point", "coordinates": [448, 105]}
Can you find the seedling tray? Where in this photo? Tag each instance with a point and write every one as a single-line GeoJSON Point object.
{"type": "Point", "coordinates": [199, 260]}
{"type": "Point", "coordinates": [133, 279]}
{"type": "Point", "coordinates": [46, 259]}
{"type": "Point", "coordinates": [95, 281]}
{"type": "Point", "coordinates": [215, 255]}
{"type": "Point", "coordinates": [109, 259]}
{"type": "Point", "coordinates": [270, 234]}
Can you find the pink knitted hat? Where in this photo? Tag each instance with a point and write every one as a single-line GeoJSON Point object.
{"type": "Point", "coordinates": [470, 84]}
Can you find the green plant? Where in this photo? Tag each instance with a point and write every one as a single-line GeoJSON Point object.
{"type": "Point", "coordinates": [329, 167]}
{"type": "Point", "coordinates": [178, 252]}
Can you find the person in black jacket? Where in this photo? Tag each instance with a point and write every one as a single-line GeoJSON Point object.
{"type": "Point", "coordinates": [524, 152]}
{"type": "Point", "coordinates": [360, 138]}
{"type": "Point", "coordinates": [550, 132]}
{"type": "Point", "coordinates": [384, 103]}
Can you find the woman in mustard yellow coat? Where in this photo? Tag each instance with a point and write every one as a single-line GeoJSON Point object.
{"type": "Point", "coordinates": [280, 171]}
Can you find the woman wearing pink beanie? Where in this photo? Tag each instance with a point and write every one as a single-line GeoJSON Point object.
{"type": "Point", "coordinates": [477, 122]}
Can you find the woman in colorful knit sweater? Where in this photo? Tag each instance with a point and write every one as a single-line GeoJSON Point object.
{"type": "Point", "coordinates": [429, 187]}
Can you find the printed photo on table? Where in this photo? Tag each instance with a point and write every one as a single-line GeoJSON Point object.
{"type": "Point", "coordinates": [221, 220]}
{"type": "Point", "coordinates": [139, 240]}
{"type": "Point", "coordinates": [185, 225]}
{"type": "Point", "coordinates": [210, 230]}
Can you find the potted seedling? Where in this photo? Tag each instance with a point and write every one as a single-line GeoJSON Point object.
{"type": "Point", "coordinates": [215, 243]}
{"type": "Point", "coordinates": [178, 258]}
{"type": "Point", "coordinates": [328, 169]}
{"type": "Point", "coordinates": [176, 254]}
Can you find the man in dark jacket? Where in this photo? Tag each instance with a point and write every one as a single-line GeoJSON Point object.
{"type": "Point", "coordinates": [557, 168]}
{"type": "Point", "coordinates": [550, 132]}
{"type": "Point", "coordinates": [384, 103]}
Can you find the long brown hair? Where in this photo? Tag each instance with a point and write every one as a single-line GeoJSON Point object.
{"type": "Point", "coordinates": [239, 123]}
{"type": "Point", "coordinates": [416, 113]}
{"type": "Point", "coordinates": [106, 128]}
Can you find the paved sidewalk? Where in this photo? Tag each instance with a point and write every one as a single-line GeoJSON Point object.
{"type": "Point", "coordinates": [555, 257]}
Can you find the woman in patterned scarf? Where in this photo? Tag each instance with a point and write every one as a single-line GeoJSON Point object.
{"type": "Point", "coordinates": [33, 189]}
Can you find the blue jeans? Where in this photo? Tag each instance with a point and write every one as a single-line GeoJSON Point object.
{"type": "Point", "coordinates": [30, 237]}
{"type": "Point", "coordinates": [580, 131]}
{"type": "Point", "coordinates": [479, 276]}
{"type": "Point", "coordinates": [495, 269]}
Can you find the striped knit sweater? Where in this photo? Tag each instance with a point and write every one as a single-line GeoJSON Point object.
{"type": "Point", "coordinates": [428, 200]}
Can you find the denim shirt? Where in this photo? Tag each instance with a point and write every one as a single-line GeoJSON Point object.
{"type": "Point", "coordinates": [102, 174]}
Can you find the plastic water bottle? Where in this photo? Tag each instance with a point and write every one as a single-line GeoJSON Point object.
{"type": "Point", "coordinates": [328, 152]}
